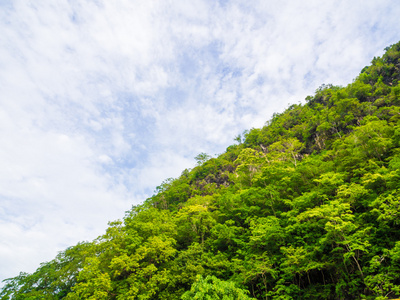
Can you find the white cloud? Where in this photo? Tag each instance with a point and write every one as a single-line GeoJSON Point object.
{"type": "Point", "coordinates": [102, 100]}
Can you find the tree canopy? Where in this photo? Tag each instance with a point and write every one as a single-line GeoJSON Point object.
{"type": "Point", "coordinates": [307, 207]}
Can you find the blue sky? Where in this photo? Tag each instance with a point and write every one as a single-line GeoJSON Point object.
{"type": "Point", "coordinates": [103, 100]}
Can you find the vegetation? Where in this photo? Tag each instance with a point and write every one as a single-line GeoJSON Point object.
{"type": "Point", "coordinates": [307, 207]}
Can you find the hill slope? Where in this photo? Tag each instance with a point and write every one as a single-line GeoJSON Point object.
{"type": "Point", "coordinates": [306, 207]}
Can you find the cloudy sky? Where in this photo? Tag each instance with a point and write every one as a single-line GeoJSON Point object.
{"type": "Point", "coordinates": [100, 101]}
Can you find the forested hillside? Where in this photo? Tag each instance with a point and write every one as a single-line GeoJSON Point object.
{"type": "Point", "coordinates": [306, 207]}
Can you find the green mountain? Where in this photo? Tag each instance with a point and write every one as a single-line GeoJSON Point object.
{"type": "Point", "coordinates": [307, 207]}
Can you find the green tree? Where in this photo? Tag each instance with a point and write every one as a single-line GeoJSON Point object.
{"type": "Point", "coordinates": [202, 158]}
{"type": "Point", "coordinates": [216, 289]}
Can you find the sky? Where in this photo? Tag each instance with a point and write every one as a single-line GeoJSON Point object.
{"type": "Point", "coordinates": [100, 101]}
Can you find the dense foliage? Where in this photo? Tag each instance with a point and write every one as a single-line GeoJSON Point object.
{"type": "Point", "coordinates": [307, 207]}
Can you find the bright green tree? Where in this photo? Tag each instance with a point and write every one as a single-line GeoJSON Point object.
{"type": "Point", "coordinates": [212, 288]}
